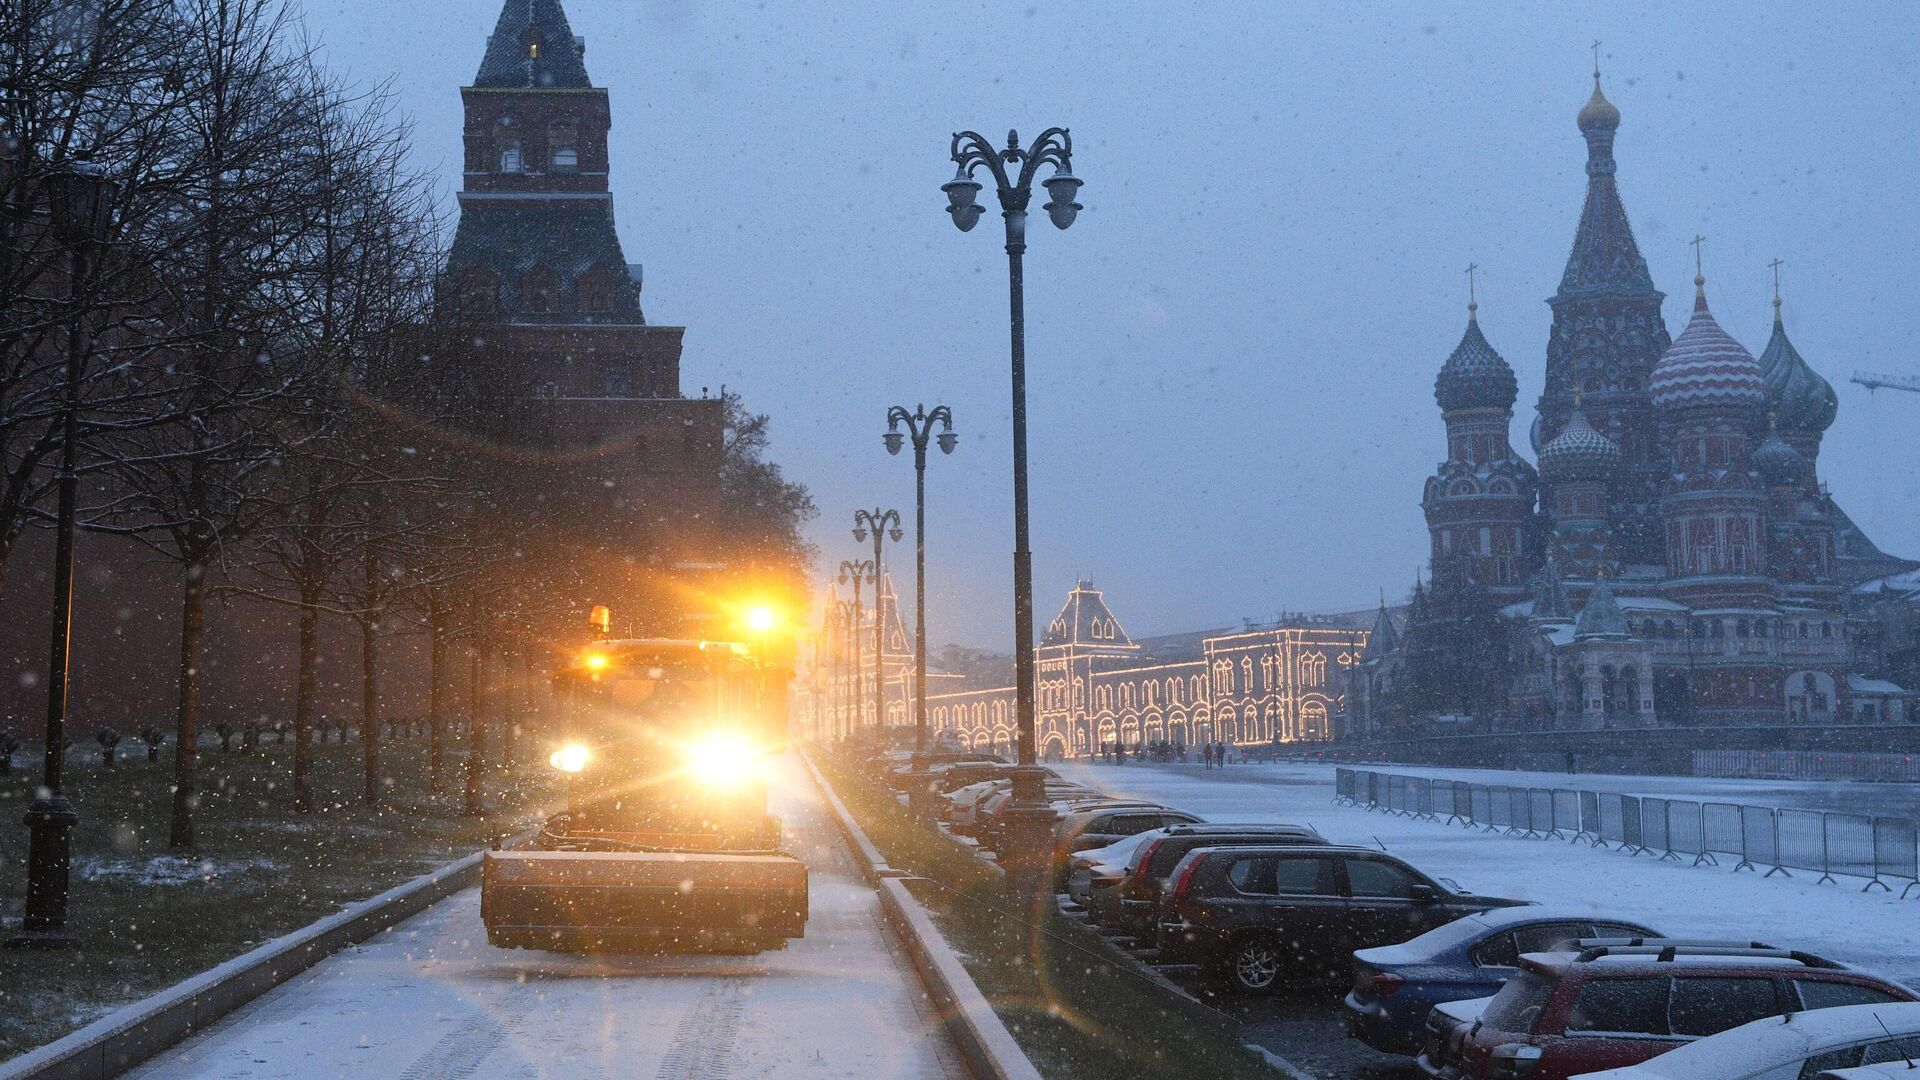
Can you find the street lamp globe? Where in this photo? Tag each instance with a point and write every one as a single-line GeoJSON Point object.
{"type": "Point", "coordinates": [961, 193]}
{"type": "Point", "coordinates": [1062, 186]}
{"type": "Point", "coordinates": [948, 440]}
{"type": "Point", "coordinates": [859, 534]}
{"type": "Point", "coordinates": [895, 534]}
{"type": "Point", "coordinates": [894, 441]}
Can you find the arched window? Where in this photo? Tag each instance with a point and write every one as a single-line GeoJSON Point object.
{"type": "Point", "coordinates": [540, 290]}
{"type": "Point", "coordinates": [480, 292]}
{"type": "Point", "coordinates": [1246, 675]}
{"type": "Point", "coordinates": [563, 147]}
{"type": "Point", "coordinates": [595, 290]}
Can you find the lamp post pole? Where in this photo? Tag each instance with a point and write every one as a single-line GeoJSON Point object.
{"type": "Point", "coordinates": [919, 424]}
{"type": "Point", "coordinates": [1028, 816]}
{"type": "Point", "coordinates": [884, 525]}
{"type": "Point", "coordinates": [842, 665]}
{"type": "Point", "coordinates": [80, 199]}
{"type": "Point", "coordinates": [857, 571]}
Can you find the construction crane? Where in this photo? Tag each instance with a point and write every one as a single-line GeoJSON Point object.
{"type": "Point", "coordinates": [1887, 382]}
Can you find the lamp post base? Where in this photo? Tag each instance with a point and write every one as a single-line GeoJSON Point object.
{"type": "Point", "coordinates": [1027, 831]}
{"type": "Point", "coordinates": [50, 821]}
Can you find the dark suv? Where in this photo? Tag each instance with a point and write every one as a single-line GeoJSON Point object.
{"type": "Point", "coordinates": [1618, 1002]}
{"type": "Point", "coordinates": [1261, 913]}
{"type": "Point", "coordinates": [1133, 903]}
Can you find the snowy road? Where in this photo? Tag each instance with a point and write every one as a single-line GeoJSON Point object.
{"type": "Point", "coordinates": [431, 999]}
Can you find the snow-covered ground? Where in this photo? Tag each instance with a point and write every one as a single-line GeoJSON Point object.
{"type": "Point", "coordinates": [431, 999]}
{"type": "Point", "coordinates": [1844, 796]}
{"type": "Point", "coordinates": [1875, 930]}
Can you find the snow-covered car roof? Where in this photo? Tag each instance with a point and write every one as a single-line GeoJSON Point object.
{"type": "Point", "coordinates": [1763, 1045]}
{"type": "Point", "coordinates": [1117, 856]}
{"type": "Point", "coordinates": [1892, 1070]}
{"type": "Point", "coordinates": [1479, 925]}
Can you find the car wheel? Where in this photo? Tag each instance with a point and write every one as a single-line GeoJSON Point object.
{"type": "Point", "coordinates": [1254, 964]}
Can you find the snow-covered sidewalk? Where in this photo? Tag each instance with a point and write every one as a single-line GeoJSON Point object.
{"type": "Point", "coordinates": [1875, 930]}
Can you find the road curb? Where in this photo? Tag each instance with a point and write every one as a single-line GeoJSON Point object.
{"type": "Point", "coordinates": [983, 1040]}
{"type": "Point", "coordinates": [133, 1033]}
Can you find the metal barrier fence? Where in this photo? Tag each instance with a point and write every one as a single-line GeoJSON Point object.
{"type": "Point", "coordinates": [1883, 850]}
{"type": "Point", "coordinates": [1806, 765]}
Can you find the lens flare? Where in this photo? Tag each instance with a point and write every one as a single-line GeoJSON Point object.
{"type": "Point", "coordinates": [570, 758]}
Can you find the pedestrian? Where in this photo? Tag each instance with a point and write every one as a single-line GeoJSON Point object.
{"type": "Point", "coordinates": [1206, 755]}
{"type": "Point", "coordinates": [1570, 761]}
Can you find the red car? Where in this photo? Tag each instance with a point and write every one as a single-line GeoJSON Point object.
{"type": "Point", "coordinates": [1621, 1001]}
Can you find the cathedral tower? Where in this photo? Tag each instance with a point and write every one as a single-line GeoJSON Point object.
{"type": "Point", "coordinates": [1607, 335]}
{"type": "Point", "coordinates": [1479, 503]}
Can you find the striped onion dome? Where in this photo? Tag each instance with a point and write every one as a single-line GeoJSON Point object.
{"type": "Point", "coordinates": [1804, 402]}
{"type": "Point", "coordinates": [1706, 368]}
{"type": "Point", "coordinates": [1475, 377]}
{"type": "Point", "coordinates": [1579, 452]}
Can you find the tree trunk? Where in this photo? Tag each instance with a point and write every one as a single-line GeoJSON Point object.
{"type": "Point", "coordinates": [370, 708]}
{"type": "Point", "coordinates": [476, 733]}
{"type": "Point", "coordinates": [303, 704]}
{"type": "Point", "coordinates": [436, 695]}
{"type": "Point", "coordinates": [186, 753]}
{"type": "Point", "coordinates": [509, 703]}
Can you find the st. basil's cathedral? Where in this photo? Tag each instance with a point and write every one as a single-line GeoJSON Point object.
{"type": "Point", "coordinates": [1673, 558]}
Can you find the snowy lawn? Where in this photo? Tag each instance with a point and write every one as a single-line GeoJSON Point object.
{"type": "Point", "coordinates": [1076, 1013]}
{"type": "Point", "coordinates": [1874, 930]}
{"type": "Point", "coordinates": [149, 917]}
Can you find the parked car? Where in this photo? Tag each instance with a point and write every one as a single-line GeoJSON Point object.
{"type": "Point", "coordinates": [1098, 826]}
{"type": "Point", "coordinates": [1396, 986]}
{"type": "Point", "coordinates": [986, 812]}
{"type": "Point", "coordinates": [972, 817]}
{"type": "Point", "coordinates": [1261, 914]}
{"type": "Point", "coordinates": [1133, 903]}
{"type": "Point", "coordinates": [1445, 1033]}
{"type": "Point", "coordinates": [1613, 1005]}
{"type": "Point", "coordinates": [1071, 806]}
{"type": "Point", "coordinates": [1790, 1047]}
{"type": "Point", "coordinates": [1103, 864]}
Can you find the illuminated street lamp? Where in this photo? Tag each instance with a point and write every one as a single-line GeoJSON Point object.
{"type": "Point", "coordinates": [884, 525]}
{"type": "Point", "coordinates": [856, 571]}
{"type": "Point", "coordinates": [1029, 820]}
{"type": "Point", "coordinates": [80, 202]}
{"type": "Point", "coordinates": [919, 424]}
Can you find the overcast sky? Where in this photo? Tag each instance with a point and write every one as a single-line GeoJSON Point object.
{"type": "Point", "coordinates": [1232, 352]}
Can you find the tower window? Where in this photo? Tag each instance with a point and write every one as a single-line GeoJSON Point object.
{"type": "Point", "coordinates": [563, 145]}
{"type": "Point", "coordinates": [619, 382]}
{"type": "Point", "coordinates": [540, 291]}
{"type": "Point", "coordinates": [595, 289]}
{"type": "Point", "coordinates": [510, 159]}
{"type": "Point", "coordinates": [479, 292]}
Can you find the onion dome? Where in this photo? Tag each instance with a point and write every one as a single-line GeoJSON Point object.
{"type": "Point", "coordinates": [1777, 463]}
{"type": "Point", "coordinates": [1803, 403]}
{"type": "Point", "coordinates": [1475, 377]}
{"type": "Point", "coordinates": [1579, 452]}
{"type": "Point", "coordinates": [1600, 617]}
{"type": "Point", "coordinates": [1706, 368]}
{"type": "Point", "coordinates": [1598, 114]}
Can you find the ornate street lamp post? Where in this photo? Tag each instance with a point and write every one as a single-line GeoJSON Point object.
{"type": "Point", "coordinates": [80, 203]}
{"type": "Point", "coordinates": [884, 525]}
{"type": "Point", "coordinates": [857, 571]}
{"type": "Point", "coordinates": [1029, 820]}
{"type": "Point", "coordinates": [919, 424]}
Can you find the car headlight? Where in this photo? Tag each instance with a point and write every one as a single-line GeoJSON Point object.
{"type": "Point", "coordinates": [723, 760]}
{"type": "Point", "coordinates": [570, 758]}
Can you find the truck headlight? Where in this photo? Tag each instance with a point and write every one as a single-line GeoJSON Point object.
{"type": "Point", "coordinates": [570, 758]}
{"type": "Point", "coordinates": [722, 760]}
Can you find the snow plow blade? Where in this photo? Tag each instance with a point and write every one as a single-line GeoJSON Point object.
{"type": "Point", "coordinates": [642, 901]}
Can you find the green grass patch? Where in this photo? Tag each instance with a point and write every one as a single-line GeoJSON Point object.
{"type": "Point", "coordinates": [1078, 1013]}
{"type": "Point", "coordinates": [148, 917]}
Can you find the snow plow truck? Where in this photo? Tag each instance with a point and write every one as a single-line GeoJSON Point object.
{"type": "Point", "coordinates": [666, 843]}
